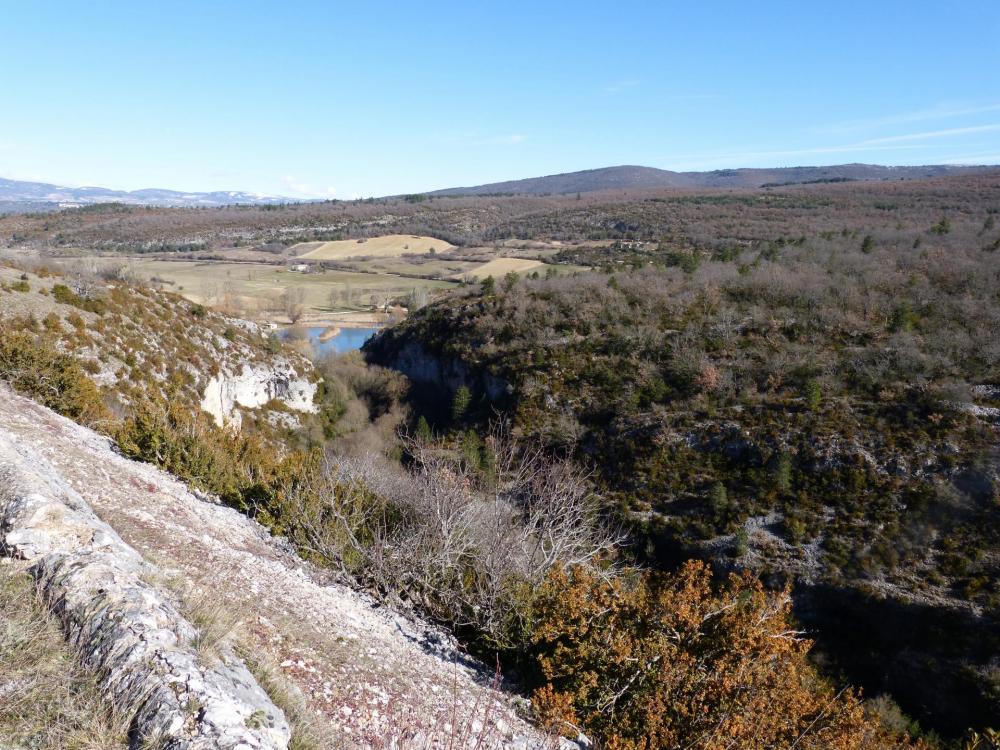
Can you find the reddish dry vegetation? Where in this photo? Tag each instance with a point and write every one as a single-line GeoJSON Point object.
{"type": "Point", "coordinates": [661, 661]}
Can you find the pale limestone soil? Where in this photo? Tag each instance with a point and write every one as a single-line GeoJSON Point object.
{"type": "Point", "coordinates": [371, 672]}
{"type": "Point", "coordinates": [29, 303]}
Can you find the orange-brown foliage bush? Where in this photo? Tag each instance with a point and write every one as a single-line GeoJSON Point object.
{"type": "Point", "coordinates": [669, 661]}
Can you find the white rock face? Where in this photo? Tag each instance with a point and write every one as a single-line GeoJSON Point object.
{"type": "Point", "coordinates": [255, 386]}
{"type": "Point", "coordinates": [125, 630]}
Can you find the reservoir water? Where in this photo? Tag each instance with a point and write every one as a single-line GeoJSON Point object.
{"type": "Point", "coordinates": [347, 339]}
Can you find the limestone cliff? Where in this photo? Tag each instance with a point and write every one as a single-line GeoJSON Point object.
{"type": "Point", "coordinates": [254, 386]}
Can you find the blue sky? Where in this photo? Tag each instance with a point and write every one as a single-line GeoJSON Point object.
{"type": "Point", "coordinates": [371, 98]}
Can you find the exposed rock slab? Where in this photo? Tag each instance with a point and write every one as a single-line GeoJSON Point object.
{"type": "Point", "coordinates": [125, 630]}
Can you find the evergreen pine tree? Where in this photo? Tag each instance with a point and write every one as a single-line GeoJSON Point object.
{"type": "Point", "coordinates": [424, 434]}
{"type": "Point", "coordinates": [460, 403]}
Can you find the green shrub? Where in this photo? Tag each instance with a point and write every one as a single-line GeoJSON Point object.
{"type": "Point", "coordinates": [812, 393]}
{"type": "Point", "coordinates": [64, 295]}
{"type": "Point", "coordinates": [34, 367]}
{"type": "Point", "coordinates": [783, 472]}
{"type": "Point", "coordinates": [719, 500]}
{"type": "Point", "coordinates": [942, 227]}
{"type": "Point", "coordinates": [903, 318]}
{"type": "Point", "coordinates": [424, 434]}
{"type": "Point", "coordinates": [741, 543]}
{"type": "Point", "coordinates": [243, 470]}
{"type": "Point", "coordinates": [472, 450]}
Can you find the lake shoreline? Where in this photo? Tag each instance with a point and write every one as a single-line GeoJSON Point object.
{"type": "Point", "coordinates": [333, 339]}
{"type": "Point", "coordinates": [329, 333]}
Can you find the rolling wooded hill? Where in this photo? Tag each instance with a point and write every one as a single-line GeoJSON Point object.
{"type": "Point", "coordinates": [630, 177]}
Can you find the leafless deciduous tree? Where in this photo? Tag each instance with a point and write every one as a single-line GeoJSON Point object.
{"type": "Point", "coordinates": [293, 302]}
{"type": "Point", "coordinates": [470, 550]}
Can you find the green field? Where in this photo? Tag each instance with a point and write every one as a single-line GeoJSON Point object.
{"type": "Point", "coordinates": [258, 289]}
{"type": "Point", "coordinates": [420, 265]}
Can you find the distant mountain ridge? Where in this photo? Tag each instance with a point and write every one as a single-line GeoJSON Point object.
{"type": "Point", "coordinates": [18, 196]}
{"type": "Point", "coordinates": [631, 177]}
{"type": "Point", "coordinates": [42, 195]}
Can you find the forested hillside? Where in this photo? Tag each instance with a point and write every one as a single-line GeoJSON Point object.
{"type": "Point", "coordinates": [810, 390]}
{"type": "Point", "coordinates": [649, 214]}
{"type": "Point", "coordinates": [632, 177]}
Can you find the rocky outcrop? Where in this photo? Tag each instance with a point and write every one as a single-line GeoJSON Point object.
{"type": "Point", "coordinates": [126, 631]}
{"type": "Point", "coordinates": [254, 386]}
{"type": "Point", "coordinates": [371, 676]}
{"type": "Point", "coordinates": [423, 366]}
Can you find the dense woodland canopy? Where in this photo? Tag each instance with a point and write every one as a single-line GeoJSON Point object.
{"type": "Point", "coordinates": [816, 399]}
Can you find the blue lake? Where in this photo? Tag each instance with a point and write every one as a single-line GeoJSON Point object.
{"type": "Point", "coordinates": [346, 340]}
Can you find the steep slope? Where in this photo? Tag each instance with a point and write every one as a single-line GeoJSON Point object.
{"type": "Point", "coordinates": [135, 639]}
{"type": "Point", "coordinates": [822, 410]}
{"type": "Point", "coordinates": [138, 344]}
{"type": "Point", "coordinates": [372, 675]}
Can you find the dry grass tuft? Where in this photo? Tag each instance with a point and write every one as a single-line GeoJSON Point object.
{"type": "Point", "coordinates": [217, 625]}
{"type": "Point", "coordinates": [308, 733]}
{"type": "Point", "coordinates": [47, 701]}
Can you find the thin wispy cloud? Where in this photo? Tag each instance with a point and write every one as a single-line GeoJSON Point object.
{"type": "Point", "coordinates": [927, 135]}
{"type": "Point", "coordinates": [923, 141]}
{"type": "Point", "coordinates": [749, 155]}
{"type": "Point", "coordinates": [992, 157]}
{"type": "Point", "coordinates": [941, 112]}
{"type": "Point", "coordinates": [619, 86]}
{"type": "Point", "coordinates": [728, 159]}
